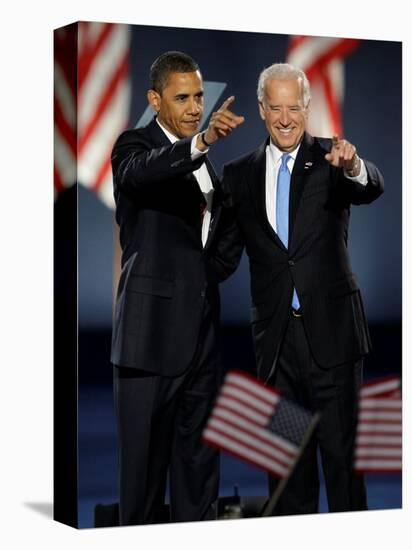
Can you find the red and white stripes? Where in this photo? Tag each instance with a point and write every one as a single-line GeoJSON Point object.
{"type": "Point", "coordinates": [379, 434]}
{"type": "Point", "coordinates": [65, 107]}
{"type": "Point", "coordinates": [322, 60]}
{"type": "Point", "coordinates": [99, 95]}
{"type": "Point", "coordinates": [238, 425]}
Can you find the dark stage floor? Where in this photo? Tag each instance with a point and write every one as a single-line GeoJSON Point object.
{"type": "Point", "coordinates": [97, 436]}
{"type": "Point", "coordinates": [98, 464]}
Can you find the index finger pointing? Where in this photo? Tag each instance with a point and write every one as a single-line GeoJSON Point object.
{"type": "Point", "coordinates": [227, 102]}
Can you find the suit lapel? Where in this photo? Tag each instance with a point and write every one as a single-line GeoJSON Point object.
{"type": "Point", "coordinates": [213, 175]}
{"type": "Point", "coordinates": [303, 164]}
{"type": "Point", "coordinates": [257, 185]}
{"type": "Point", "coordinates": [216, 203]}
{"type": "Point", "coordinates": [157, 136]}
{"type": "Point", "coordinates": [160, 139]}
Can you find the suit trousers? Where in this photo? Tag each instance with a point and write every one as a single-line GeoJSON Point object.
{"type": "Point", "coordinates": [334, 393]}
{"type": "Point", "coordinates": [160, 421]}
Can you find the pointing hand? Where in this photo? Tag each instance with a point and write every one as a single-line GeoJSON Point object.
{"type": "Point", "coordinates": [222, 122]}
{"type": "Point", "coordinates": [343, 155]}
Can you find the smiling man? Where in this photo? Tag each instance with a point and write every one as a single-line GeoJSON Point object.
{"type": "Point", "coordinates": [291, 199]}
{"type": "Point", "coordinates": [164, 345]}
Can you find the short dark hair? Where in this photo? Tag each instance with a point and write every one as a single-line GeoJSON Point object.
{"type": "Point", "coordinates": [170, 62]}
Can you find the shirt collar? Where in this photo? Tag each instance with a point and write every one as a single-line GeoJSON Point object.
{"type": "Point", "coordinates": [169, 135]}
{"type": "Point", "coordinates": [277, 153]}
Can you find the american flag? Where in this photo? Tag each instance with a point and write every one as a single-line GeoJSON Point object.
{"type": "Point", "coordinates": [256, 424]}
{"type": "Point", "coordinates": [379, 434]}
{"type": "Point", "coordinates": [322, 60]}
{"type": "Point", "coordinates": [91, 103]}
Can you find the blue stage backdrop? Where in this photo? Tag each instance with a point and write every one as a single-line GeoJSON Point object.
{"type": "Point", "coordinates": [230, 64]}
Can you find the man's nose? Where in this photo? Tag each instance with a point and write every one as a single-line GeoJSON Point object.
{"type": "Point", "coordinates": [284, 117]}
{"type": "Point", "coordinates": [194, 106]}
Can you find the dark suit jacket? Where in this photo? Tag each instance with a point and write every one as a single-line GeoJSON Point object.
{"type": "Point", "coordinates": [316, 262]}
{"type": "Point", "coordinates": [166, 272]}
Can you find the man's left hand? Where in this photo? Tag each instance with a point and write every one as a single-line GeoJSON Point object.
{"type": "Point", "coordinates": [343, 155]}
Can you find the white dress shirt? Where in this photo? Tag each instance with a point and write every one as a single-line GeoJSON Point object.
{"type": "Point", "coordinates": [273, 162]}
{"type": "Point", "coordinates": [203, 179]}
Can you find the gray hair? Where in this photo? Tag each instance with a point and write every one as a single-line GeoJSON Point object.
{"type": "Point", "coordinates": [283, 71]}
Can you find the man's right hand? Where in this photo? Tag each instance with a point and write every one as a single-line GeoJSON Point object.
{"type": "Point", "coordinates": [221, 124]}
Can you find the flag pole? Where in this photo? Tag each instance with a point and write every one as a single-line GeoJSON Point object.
{"type": "Point", "coordinates": [271, 503]}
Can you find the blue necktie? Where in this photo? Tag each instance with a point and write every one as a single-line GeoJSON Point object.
{"type": "Point", "coordinates": [282, 210]}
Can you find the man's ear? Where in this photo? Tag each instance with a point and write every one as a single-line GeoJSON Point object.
{"type": "Point", "coordinates": [307, 110]}
{"type": "Point", "coordinates": [261, 110]}
{"type": "Point", "coordinates": [154, 99]}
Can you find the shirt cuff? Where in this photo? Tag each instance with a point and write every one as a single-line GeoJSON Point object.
{"type": "Point", "coordinates": [195, 153]}
{"type": "Point", "coordinates": [363, 175]}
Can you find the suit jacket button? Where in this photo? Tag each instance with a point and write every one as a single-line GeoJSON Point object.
{"type": "Point", "coordinates": [291, 262]}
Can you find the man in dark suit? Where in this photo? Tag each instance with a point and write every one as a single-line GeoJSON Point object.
{"type": "Point", "coordinates": [291, 199]}
{"type": "Point", "coordinates": [164, 345]}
